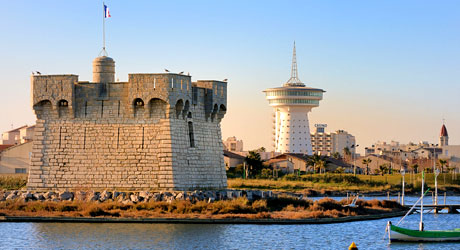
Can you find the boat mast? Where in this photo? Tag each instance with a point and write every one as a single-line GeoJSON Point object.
{"type": "Point", "coordinates": [421, 203]}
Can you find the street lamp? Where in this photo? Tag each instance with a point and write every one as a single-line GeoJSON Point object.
{"type": "Point", "coordinates": [353, 156]}
{"type": "Point", "coordinates": [436, 173]}
{"type": "Point", "coordinates": [402, 198]}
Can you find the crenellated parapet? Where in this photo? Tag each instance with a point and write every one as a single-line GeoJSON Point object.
{"type": "Point", "coordinates": [214, 98]}
{"type": "Point", "coordinates": [54, 91]}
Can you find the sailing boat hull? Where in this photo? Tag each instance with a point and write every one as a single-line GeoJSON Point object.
{"type": "Point", "coordinates": [403, 234]}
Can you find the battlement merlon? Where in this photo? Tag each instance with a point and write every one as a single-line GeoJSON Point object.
{"type": "Point", "coordinates": [53, 89]}
{"type": "Point", "coordinates": [215, 97]}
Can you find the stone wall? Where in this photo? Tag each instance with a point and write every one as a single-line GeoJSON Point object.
{"type": "Point", "coordinates": [153, 132]}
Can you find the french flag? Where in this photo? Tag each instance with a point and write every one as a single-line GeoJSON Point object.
{"type": "Point", "coordinates": [106, 12]}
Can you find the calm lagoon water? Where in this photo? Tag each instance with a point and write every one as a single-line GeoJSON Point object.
{"type": "Point", "coordinates": [367, 235]}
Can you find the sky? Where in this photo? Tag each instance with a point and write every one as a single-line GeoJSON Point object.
{"type": "Point", "coordinates": [390, 69]}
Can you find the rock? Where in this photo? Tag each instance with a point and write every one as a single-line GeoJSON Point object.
{"type": "Point", "coordinates": [156, 197]}
{"type": "Point", "coordinates": [49, 195]}
{"type": "Point", "coordinates": [28, 196]}
{"type": "Point", "coordinates": [93, 196]}
{"type": "Point", "coordinates": [180, 196]}
{"type": "Point", "coordinates": [80, 195]}
{"type": "Point", "coordinates": [12, 196]}
{"type": "Point", "coordinates": [39, 196]}
{"type": "Point", "coordinates": [134, 198]}
{"type": "Point", "coordinates": [119, 196]}
{"type": "Point", "coordinates": [105, 195]}
{"type": "Point", "coordinates": [66, 196]}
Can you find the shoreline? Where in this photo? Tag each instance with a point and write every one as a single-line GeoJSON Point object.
{"type": "Point", "coordinates": [200, 221]}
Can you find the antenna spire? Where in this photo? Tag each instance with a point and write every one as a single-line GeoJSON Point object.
{"type": "Point", "coordinates": [294, 80]}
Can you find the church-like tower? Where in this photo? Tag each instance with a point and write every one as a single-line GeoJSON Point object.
{"type": "Point", "coordinates": [443, 137]}
{"type": "Point", "coordinates": [291, 103]}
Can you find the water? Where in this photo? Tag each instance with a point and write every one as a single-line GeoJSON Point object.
{"type": "Point", "coordinates": [367, 235]}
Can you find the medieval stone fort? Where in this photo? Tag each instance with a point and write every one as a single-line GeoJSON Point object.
{"type": "Point", "coordinates": [156, 131]}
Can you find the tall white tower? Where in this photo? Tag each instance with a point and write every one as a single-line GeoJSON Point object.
{"type": "Point", "coordinates": [292, 102]}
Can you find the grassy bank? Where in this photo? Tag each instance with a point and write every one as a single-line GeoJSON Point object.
{"type": "Point", "coordinates": [280, 208]}
{"type": "Point", "coordinates": [13, 181]}
{"type": "Point", "coordinates": [347, 182]}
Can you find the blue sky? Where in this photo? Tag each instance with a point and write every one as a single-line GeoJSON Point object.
{"type": "Point", "coordinates": [390, 68]}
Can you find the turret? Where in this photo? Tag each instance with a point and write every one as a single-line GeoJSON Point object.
{"type": "Point", "coordinates": [103, 70]}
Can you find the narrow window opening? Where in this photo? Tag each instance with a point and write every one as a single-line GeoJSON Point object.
{"type": "Point", "coordinates": [118, 137]}
{"type": "Point", "coordinates": [142, 137]}
{"type": "Point", "coordinates": [118, 114]}
{"type": "Point", "coordinates": [86, 108]}
{"type": "Point", "coordinates": [60, 136]}
{"type": "Point", "coordinates": [102, 108]}
{"type": "Point", "coordinates": [190, 134]}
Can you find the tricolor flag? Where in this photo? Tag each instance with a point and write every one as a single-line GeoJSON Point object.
{"type": "Point", "coordinates": [106, 12]}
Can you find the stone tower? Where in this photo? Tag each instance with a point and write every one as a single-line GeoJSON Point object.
{"type": "Point", "coordinates": [443, 137]}
{"type": "Point", "coordinates": [155, 131]}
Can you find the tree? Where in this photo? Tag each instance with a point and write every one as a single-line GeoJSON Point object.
{"type": "Point", "coordinates": [346, 153]}
{"type": "Point", "coordinates": [320, 165]}
{"type": "Point", "coordinates": [314, 161]}
{"type": "Point", "coordinates": [254, 163]}
{"type": "Point", "coordinates": [442, 163]}
{"type": "Point", "coordinates": [383, 168]}
{"type": "Point", "coordinates": [415, 168]}
{"type": "Point", "coordinates": [340, 170]}
{"type": "Point", "coordinates": [336, 155]}
{"type": "Point", "coordinates": [367, 162]}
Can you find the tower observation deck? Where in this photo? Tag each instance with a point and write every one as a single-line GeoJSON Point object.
{"type": "Point", "coordinates": [291, 104]}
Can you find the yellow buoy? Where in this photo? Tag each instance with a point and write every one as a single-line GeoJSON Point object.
{"type": "Point", "coordinates": [353, 246]}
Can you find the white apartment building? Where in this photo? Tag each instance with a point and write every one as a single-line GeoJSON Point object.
{"type": "Point", "coordinates": [328, 143]}
{"type": "Point", "coordinates": [233, 144]}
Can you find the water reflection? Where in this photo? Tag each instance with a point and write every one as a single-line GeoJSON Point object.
{"type": "Point", "coordinates": [367, 235]}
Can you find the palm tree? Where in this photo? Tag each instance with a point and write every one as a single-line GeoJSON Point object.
{"type": "Point", "coordinates": [415, 168]}
{"type": "Point", "coordinates": [320, 165]}
{"type": "Point", "coordinates": [367, 162]}
{"type": "Point", "coordinates": [314, 160]}
{"type": "Point", "coordinates": [383, 169]}
{"type": "Point", "coordinates": [442, 163]}
{"type": "Point", "coordinates": [346, 152]}
{"type": "Point", "coordinates": [336, 155]}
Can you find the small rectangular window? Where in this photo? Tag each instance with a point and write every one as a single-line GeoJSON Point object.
{"type": "Point", "coordinates": [20, 170]}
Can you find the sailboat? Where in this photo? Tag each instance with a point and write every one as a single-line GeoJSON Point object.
{"type": "Point", "coordinates": [396, 233]}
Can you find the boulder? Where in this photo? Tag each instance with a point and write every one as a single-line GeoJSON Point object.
{"type": "Point", "coordinates": [80, 195]}
{"type": "Point", "coordinates": [105, 195]}
{"type": "Point", "coordinates": [49, 195]}
{"type": "Point", "coordinates": [12, 196]}
{"type": "Point", "coordinates": [39, 197]}
{"type": "Point", "coordinates": [93, 196]}
{"type": "Point", "coordinates": [134, 198]}
{"type": "Point", "coordinates": [156, 197]}
{"type": "Point", "coordinates": [66, 196]}
{"type": "Point", "coordinates": [28, 196]}
{"type": "Point", "coordinates": [181, 196]}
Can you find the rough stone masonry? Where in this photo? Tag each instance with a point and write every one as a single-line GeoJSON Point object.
{"type": "Point", "coordinates": [156, 131]}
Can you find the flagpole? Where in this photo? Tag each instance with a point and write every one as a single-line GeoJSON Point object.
{"type": "Point", "coordinates": [103, 26]}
